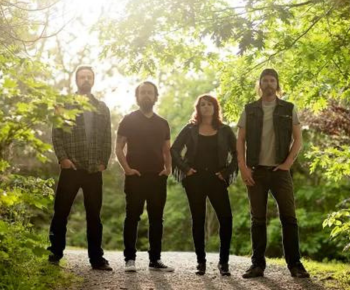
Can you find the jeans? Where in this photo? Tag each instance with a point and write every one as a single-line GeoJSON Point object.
{"type": "Point", "coordinates": [69, 183]}
{"type": "Point", "coordinates": [281, 186]}
{"type": "Point", "coordinates": [198, 187]}
{"type": "Point", "coordinates": [149, 188]}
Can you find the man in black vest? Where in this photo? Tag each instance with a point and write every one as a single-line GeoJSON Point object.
{"type": "Point", "coordinates": [269, 140]}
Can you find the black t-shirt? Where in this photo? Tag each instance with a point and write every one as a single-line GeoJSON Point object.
{"type": "Point", "coordinates": [207, 157]}
{"type": "Point", "coordinates": [145, 140]}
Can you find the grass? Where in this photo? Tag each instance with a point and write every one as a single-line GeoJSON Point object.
{"type": "Point", "coordinates": [36, 274]}
{"type": "Point", "coordinates": [332, 275]}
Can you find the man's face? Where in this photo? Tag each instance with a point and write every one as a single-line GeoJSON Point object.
{"type": "Point", "coordinates": [268, 85]}
{"type": "Point", "coordinates": [85, 80]}
{"type": "Point", "coordinates": [146, 97]}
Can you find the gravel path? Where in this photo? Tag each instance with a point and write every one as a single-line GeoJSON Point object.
{"type": "Point", "coordinates": [276, 277]}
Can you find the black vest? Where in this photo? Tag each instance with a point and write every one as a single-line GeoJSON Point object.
{"type": "Point", "coordinates": [282, 124]}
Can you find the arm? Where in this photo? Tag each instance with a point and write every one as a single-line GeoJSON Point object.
{"type": "Point", "coordinates": [167, 159]}
{"type": "Point", "coordinates": [246, 172]}
{"type": "Point", "coordinates": [294, 151]}
{"type": "Point", "coordinates": [57, 141]}
{"type": "Point", "coordinates": [107, 143]}
{"type": "Point", "coordinates": [232, 168]}
{"type": "Point", "coordinates": [119, 150]}
{"type": "Point", "coordinates": [176, 149]}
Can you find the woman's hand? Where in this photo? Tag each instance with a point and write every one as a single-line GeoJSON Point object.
{"type": "Point", "coordinates": [165, 171]}
{"type": "Point", "coordinates": [191, 172]}
{"type": "Point", "coordinates": [132, 172]}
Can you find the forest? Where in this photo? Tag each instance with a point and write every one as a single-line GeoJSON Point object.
{"type": "Point", "coordinates": [187, 47]}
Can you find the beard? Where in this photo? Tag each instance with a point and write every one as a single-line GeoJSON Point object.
{"type": "Point", "coordinates": [268, 91]}
{"type": "Point", "coordinates": [146, 104]}
{"type": "Point", "coordinates": [85, 87]}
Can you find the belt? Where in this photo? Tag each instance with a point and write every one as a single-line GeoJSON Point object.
{"type": "Point", "coordinates": [262, 167]}
{"type": "Point", "coordinates": [206, 170]}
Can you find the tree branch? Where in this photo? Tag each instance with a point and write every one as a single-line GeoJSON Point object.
{"type": "Point", "coordinates": [272, 6]}
{"type": "Point", "coordinates": [3, 2]}
{"type": "Point", "coordinates": [289, 46]}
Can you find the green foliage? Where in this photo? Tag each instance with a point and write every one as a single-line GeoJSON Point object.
{"type": "Point", "coordinates": [307, 41]}
{"type": "Point", "coordinates": [332, 274]}
{"type": "Point", "coordinates": [23, 253]}
{"type": "Point", "coordinates": [198, 47]}
{"type": "Point", "coordinates": [24, 261]}
{"type": "Point", "coordinates": [28, 104]}
{"type": "Point", "coordinates": [20, 191]}
{"type": "Point", "coordinates": [340, 222]}
{"type": "Point", "coordinates": [334, 161]}
{"type": "Point", "coordinates": [304, 40]}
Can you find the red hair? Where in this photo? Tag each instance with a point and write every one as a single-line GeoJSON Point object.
{"type": "Point", "coordinates": [196, 116]}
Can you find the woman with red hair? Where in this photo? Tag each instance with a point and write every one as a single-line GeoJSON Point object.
{"type": "Point", "coordinates": [206, 170]}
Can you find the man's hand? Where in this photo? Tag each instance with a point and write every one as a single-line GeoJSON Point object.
{"type": "Point", "coordinates": [286, 165]}
{"type": "Point", "coordinates": [247, 176]}
{"type": "Point", "coordinates": [131, 171]}
{"type": "Point", "coordinates": [66, 164]}
{"type": "Point", "coordinates": [191, 172]}
{"type": "Point", "coordinates": [101, 167]}
{"type": "Point", "coordinates": [165, 172]}
{"type": "Point", "coordinates": [293, 153]}
{"type": "Point", "coordinates": [218, 174]}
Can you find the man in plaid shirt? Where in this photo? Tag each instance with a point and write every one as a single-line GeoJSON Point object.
{"type": "Point", "coordinates": [83, 154]}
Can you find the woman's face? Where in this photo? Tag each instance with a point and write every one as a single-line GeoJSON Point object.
{"type": "Point", "coordinates": [206, 108]}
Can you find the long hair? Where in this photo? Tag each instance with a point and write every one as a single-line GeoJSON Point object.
{"type": "Point", "coordinates": [270, 72]}
{"type": "Point", "coordinates": [196, 116]}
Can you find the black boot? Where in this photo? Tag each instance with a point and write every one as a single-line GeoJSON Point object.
{"type": "Point", "coordinates": [201, 268]}
{"type": "Point", "coordinates": [101, 265]}
{"type": "Point", "coordinates": [224, 269]}
{"type": "Point", "coordinates": [298, 271]}
{"type": "Point", "coordinates": [253, 272]}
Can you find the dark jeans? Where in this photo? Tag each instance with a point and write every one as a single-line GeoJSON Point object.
{"type": "Point", "coordinates": [149, 188]}
{"type": "Point", "coordinates": [69, 183]}
{"type": "Point", "coordinates": [198, 187]}
{"type": "Point", "coordinates": [281, 186]}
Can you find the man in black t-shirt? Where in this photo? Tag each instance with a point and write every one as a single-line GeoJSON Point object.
{"type": "Point", "coordinates": [147, 165]}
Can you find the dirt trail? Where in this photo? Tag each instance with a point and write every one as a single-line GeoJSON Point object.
{"type": "Point", "coordinates": [276, 277]}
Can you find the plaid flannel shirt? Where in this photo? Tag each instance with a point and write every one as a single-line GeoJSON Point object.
{"type": "Point", "coordinates": [74, 145]}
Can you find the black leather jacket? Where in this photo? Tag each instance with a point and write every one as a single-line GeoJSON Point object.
{"type": "Point", "coordinates": [188, 140]}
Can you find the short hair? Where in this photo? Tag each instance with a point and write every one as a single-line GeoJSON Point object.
{"type": "Point", "coordinates": [146, 83]}
{"type": "Point", "coordinates": [196, 116]}
{"type": "Point", "coordinates": [83, 67]}
{"type": "Point", "coordinates": [270, 72]}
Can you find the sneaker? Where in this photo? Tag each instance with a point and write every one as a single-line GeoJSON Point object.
{"type": "Point", "coordinates": [224, 270]}
{"type": "Point", "coordinates": [159, 266]}
{"type": "Point", "coordinates": [299, 271]}
{"type": "Point", "coordinates": [201, 268]}
{"type": "Point", "coordinates": [253, 272]}
{"type": "Point", "coordinates": [101, 265]}
{"type": "Point", "coordinates": [130, 266]}
{"type": "Point", "coordinates": [54, 259]}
